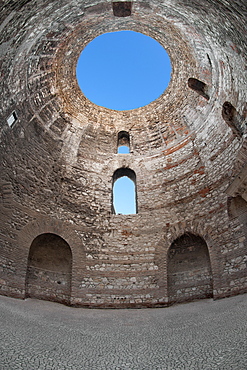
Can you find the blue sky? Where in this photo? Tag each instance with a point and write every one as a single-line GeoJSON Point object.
{"type": "Point", "coordinates": [124, 196]}
{"type": "Point", "coordinates": [124, 70]}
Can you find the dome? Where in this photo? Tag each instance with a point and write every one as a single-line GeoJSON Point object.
{"type": "Point", "coordinates": [187, 150]}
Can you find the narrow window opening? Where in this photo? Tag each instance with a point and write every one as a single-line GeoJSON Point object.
{"type": "Point", "coordinates": [123, 149]}
{"type": "Point", "coordinates": [123, 142]}
{"type": "Point", "coordinates": [12, 119]}
{"type": "Point", "coordinates": [233, 119]}
{"type": "Point", "coordinates": [198, 86]}
{"type": "Point", "coordinates": [121, 8]}
{"type": "Point", "coordinates": [124, 192]}
{"type": "Point", "coordinates": [209, 60]}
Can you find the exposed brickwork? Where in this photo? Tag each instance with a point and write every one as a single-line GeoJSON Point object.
{"type": "Point", "coordinates": [59, 157]}
{"type": "Point", "coordinates": [189, 269]}
{"type": "Point", "coordinates": [49, 269]}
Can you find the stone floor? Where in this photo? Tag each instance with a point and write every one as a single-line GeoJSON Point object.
{"type": "Point", "coordinates": [201, 335]}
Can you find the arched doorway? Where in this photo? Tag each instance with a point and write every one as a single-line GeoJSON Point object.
{"type": "Point", "coordinates": [189, 269]}
{"type": "Point", "coordinates": [49, 269]}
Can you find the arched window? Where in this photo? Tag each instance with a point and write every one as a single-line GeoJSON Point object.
{"type": "Point", "coordinates": [49, 269]}
{"type": "Point", "coordinates": [123, 142]}
{"type": "Point", "coordinates": [124, 192]}
{"type": "Point", "coordinates": [189, 269]}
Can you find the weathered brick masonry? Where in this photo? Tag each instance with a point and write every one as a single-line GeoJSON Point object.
{"type": "Point", "coordinates": [58, 237]}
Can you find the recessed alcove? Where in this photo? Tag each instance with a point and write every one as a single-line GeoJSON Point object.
{"type": "Point", "coordinates": [49, 268]}
{"type": "Point", "coordinates": [189, 269]}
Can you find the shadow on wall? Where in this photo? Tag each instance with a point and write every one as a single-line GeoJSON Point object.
{"type": "Point", "coordinates": [237, 208]}
{"type": "Point", "coordinates": [49, 269]}
{"type": "Point", "coordinates": [189, 269]}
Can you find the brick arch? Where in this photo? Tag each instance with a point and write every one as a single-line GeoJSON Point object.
{"type": "Point", "coordinates": [47, 225]}
{"type": "Point", "coordinates": [49, 269]}
{"type": "Point", "coordinates": [176, 230]}
{"type": "Point", "coordinates": [195, 227]}
{"type": "Point", "coordinates": [189, 273]}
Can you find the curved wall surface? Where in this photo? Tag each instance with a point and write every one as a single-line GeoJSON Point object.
{"type": "Point", "coordinates": [187, 150]}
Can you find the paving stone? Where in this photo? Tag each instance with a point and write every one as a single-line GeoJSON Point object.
{"type": "Point", "coordinates": [203, 335]}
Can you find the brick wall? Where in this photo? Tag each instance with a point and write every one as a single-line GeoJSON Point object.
{"type": "Point", "coordinates": [58, 159]}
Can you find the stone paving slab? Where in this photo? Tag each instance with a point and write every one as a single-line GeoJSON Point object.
{"type": "Point", "coordinates": [200, 335]}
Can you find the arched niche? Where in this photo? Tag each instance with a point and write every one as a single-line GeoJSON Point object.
{"type": "Point", "coordinates": [49, 269]}
{"type": "Point", "coordinates": [237, 208]}
{"type": "Point", "coordinates": [125, 197]}
{"type": "Point", "coordinates": [189, 269]}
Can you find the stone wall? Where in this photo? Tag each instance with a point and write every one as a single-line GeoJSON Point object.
{"type": "Point", "coordinates": [49, 269]}
{"type": "Point", "coordinates": [189, 269]}
{"type": "Point", "coordinates": [60, 154]}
